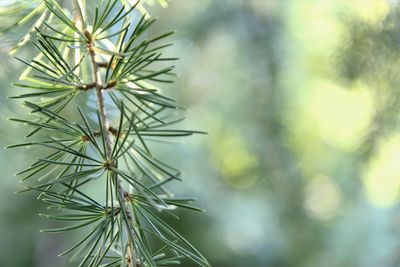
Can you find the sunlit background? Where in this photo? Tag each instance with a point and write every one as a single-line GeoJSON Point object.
{"type": "Point", "coordinates": [301, 166]}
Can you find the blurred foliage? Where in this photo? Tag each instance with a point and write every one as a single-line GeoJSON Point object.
{"type": "Point", "coordinates": [301, 164]}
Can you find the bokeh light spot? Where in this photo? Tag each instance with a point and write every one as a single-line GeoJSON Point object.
{"type": "Point", "coordinates": [323, 198]}
{"type": "Point", "coordinates": [341, 115]}
{"type": "Point", "coordinates": [382, 175]}
{"type": "Point", "coordinates": [234, 160]}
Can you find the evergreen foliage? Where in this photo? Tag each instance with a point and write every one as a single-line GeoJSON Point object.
{"type": "Point", "coordinates": [99, 49]}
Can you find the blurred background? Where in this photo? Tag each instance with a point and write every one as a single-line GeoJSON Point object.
{"type": "Point", "coordinates": [301, 166]}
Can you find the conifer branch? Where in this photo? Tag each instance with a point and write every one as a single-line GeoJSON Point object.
{"type": "Point", "coordinates": [122, 63]}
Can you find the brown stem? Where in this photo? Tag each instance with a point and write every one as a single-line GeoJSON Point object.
{"type": "Point", "coordinates": [99, 85]}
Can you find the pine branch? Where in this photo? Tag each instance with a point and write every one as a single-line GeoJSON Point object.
{"type": "Point", "coordinates": [121, 67]}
